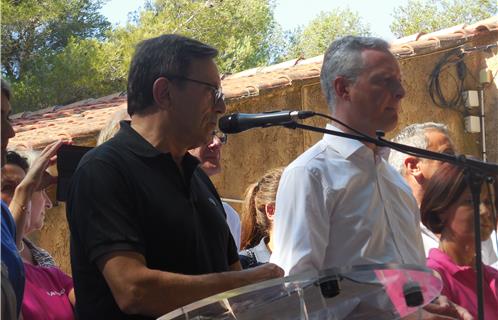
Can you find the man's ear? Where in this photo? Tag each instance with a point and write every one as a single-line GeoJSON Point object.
{"type": "Point", "coordinates": [412, 168]}
{"type": "Point", "coordinates": [341, 87]}
{"type": "Point", "coordinates": [270, 210]}
{"type": "Point", "coordinates": [161, 91]}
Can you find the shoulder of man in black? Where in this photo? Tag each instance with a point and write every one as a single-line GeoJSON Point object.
{"type": "Point", "coordinates": [126, 140]}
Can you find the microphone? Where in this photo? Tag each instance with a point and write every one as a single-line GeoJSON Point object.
{"type": "Point", "coordinates": [238, 122]}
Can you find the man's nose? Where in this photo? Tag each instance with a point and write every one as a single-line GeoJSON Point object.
{"type": "Point", "coordinates": [220, 106]}
{"type": "Point", "coordinates": [485, 210]}
{"type": "Point", "coordinates": [9, 130]}
{"type": "Point", "coordinates": [399, 90]}
{"type": "Point", "coordinates": [48, 203]}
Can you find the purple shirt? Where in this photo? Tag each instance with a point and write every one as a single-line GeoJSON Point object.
{"type": "Point", "coordinates": [46, 294]}
{"type": "Point", "coordinates": [459, 284]}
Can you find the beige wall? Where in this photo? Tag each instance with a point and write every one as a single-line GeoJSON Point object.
{"type": "Point", "coordinates": [489, 60]}
{"type": "Point", "coordinates": [249, 154]}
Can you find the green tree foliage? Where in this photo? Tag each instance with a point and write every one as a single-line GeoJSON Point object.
{"type": "Point", "coordinates": [45, 52]}
{"type": "Point", "coordinates": [315, 38]}
{"type": "Point", "coordinates": [61, 51]}
{"type": "Point", "coordinates": [243, 31]}
{"type": "Point", "coordinates": [429, 15]}
{"type": "Point", "coordinates": [83, 69]}
{"type": "Point", "coordinates": [34, 29]}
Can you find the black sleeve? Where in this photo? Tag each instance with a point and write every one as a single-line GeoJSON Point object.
{"type": "Point", "coordinates": [248, 260]}
{"type": "Point", "coordinates": [232, 254]}
{"type": "Point", "coordinates": [101, 212]}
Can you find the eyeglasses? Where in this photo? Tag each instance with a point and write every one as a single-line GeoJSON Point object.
{"type": "Point", "coordinates": [221, 136]}
{"type": "Point", "coordinates": [218, 94]}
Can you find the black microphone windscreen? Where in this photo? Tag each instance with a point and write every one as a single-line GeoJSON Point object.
{"type": "Point", "coordinates": [227, 123]}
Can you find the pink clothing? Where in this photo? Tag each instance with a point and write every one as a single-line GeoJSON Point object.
{"type": "Point", "coordinates": [46, 294]}
{"type": "Point", "coordinates": [459, 284]}
{"type": "Point", "coordinates": [396, 280]}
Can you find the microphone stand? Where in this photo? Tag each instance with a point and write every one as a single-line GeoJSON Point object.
{"type": "Point", "coordinates": [475, 173]}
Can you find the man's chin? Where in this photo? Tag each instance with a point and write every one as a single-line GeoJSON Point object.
{"type": "Point", "coordinates": [389, 126]}
{"type": "Point", "coordinates": [210, 169]}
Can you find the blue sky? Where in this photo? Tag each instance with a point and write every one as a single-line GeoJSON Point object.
{"type": "Point", "coordinates": [292, 13]}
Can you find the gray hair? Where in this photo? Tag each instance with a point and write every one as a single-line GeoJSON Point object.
{"type": "Point", "coordinates": [414, 135]}
{"type": "Point", "coordinates": [30, 155]}
{"type": "Point", "coordinates": [343, 58]}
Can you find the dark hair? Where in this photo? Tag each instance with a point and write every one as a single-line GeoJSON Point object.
{"type": "Point", "coordinates": [255, 225]}
{"type": "Point", "coordinates": [6, 89]}
{"type": "Point", "coordinates": [169, 54]}
{"type": "Point", "coordinates": [15, 158]}
{"type": "Point", "coordinates": [443, 190]}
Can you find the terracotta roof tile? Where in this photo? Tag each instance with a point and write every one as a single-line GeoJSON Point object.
{"type": "Point", "coordinates": [85, 118]}
{"type": "Point", "coordinates": [35, 130]}
{"type": "Point", "coordinates": [410, 38]}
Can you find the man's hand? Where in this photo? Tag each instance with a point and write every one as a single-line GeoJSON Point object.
{"type": "Point", "coordinates": [37, 177]}
{"type": "Point", "coordinates": [263, 272]}
{"type": "Point", "coordinates": [140, 290]}
{"type": "Point", "coordinates": [449, 310]}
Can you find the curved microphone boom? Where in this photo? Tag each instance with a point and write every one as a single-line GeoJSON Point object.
{"type": "Point", "coordinates": [238, 122]}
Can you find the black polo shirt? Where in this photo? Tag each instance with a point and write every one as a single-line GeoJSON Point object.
{"type": "Point", "coordinates": [127, 196]}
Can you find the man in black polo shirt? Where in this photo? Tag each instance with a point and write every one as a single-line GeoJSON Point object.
{"type": "Point", "coordinates": [148, 230]}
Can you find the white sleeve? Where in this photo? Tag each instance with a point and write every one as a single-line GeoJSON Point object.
{"type": "Point", "coordinates": [301, 225]}
{"type": "Point", "coordinates": [233, 221]}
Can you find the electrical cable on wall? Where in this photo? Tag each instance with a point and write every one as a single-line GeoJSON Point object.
{"type": "Point", "coordinates": [454, 57]}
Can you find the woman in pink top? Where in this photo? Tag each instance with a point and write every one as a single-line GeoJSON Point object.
{"type": "Point", "coordinates": [447, 209]}
{"type": "Point", "coordinates": [48, 292]}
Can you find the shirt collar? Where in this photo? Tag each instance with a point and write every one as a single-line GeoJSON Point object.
{"type": "Point", "coordinates": [346, 147]}
{"type": "Point", "coordinates": [134, 142]}
{"type": "Point", "coordinates": [383, 152]}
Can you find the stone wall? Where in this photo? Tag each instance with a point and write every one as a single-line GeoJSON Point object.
{"type": "Point", "coordinates": [489, 60]}
{"type": "Point", "coordinates": [249, 154]}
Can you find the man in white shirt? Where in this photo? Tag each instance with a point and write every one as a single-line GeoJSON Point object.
{"type": "Point", "coordinates": [417, 171]}
{"type": "Point", "coordinates": [340, 203]}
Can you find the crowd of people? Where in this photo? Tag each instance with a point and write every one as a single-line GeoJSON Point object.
{"type": "Point", "coordinates": [149, 232]}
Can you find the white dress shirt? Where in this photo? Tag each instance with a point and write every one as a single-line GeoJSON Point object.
{"type": "Point", "coordinates": [340, 204]}
{"type": "Point", "coordinates": [430, 240]}
{"type": "Point", "coordinates": [233, 221]}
